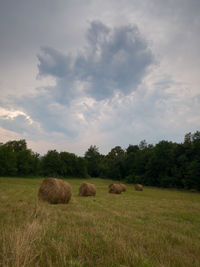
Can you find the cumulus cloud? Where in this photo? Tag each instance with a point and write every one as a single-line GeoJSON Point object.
{"type": "Point", "coordinates": [53, 63]}
{"type": "Point", "coordinates": [114, 59]}
{"type": "Point", "coordinates": [18, 122]}
{"type": "Point", "coordinates": [98, 82]}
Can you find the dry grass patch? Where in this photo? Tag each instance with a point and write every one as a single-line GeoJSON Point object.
{"type": "Point", "coordinates": [155, 228]}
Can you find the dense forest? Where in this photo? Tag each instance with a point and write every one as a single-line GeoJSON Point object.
{"type": "Point", "coordinates": [166, 164]}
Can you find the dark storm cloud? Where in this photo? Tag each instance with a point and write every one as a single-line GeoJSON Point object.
{"type": "Point", "coordinates": [115, 59]}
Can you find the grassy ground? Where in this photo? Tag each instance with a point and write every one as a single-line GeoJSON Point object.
{"type": "Point", "coordinates": [151, 228]}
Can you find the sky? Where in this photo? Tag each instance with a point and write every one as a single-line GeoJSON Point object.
{"type": "Point", "coordinates": [107, 73]}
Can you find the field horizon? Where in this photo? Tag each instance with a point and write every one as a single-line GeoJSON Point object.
{"type": "Point", "coordinates": [154, 227]}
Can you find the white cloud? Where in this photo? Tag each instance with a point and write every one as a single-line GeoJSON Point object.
{"type": "Point", "coordinates": [11, 114]}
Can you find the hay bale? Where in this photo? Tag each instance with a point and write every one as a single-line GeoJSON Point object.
{"type": "Point", "coordinates": [54, 191]}
{"type": "Point", "coordinates": [138, 187]}
{"type": "Point", "coordinates": [110, 186]}
{"type": "Point", "coordinates": [86, 190]}
{"type": "Point", "coordinates": [115, 189]}
{"type": "Point", "coordinates": [123, 186]}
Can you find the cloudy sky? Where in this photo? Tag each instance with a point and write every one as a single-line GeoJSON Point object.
{"type": "Point", "coordinates": [80, 72]}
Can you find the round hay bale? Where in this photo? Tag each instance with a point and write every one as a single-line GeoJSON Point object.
{"type": "Point", "coordinates": [138, 187]}
{"type": "Point", "coordinates": [54, 191]}
{"type": "Point", "coordinates": [115, 189]}
{"type": "Point", "coordinates": [86, 190]}
{"type": "Point", "coordinates": [123, 186]}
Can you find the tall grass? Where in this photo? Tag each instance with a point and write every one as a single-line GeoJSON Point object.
{"type": "Point", "coordinates": [151, 228]}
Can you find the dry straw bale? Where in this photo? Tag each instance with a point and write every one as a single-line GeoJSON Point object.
{"type": "Point", "coordinates": [115, 189]}
{"type": "Point", "coordinates": [87, 190]}
{"type": "Point", "coordinates": [54, 191]}
{"type": "Point", "coordinates": [110, 186]}
{"type": "Point", "coordinates": [138, 187]}
{"type": "Point", "coordinates": [123, 186]}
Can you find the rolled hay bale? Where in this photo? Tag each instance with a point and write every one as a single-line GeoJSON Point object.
{"type": "Point", "coordinates": [123, 186]}
{"type": "Point", "coordinates": [138, 187]}
{"type": "Point", "coordinates": [54, 191]}
{"type": "Point", "coordinates": [86, 190]}
{"type": "Point", "coordinates": [115, 189]}
{"type": "Point", "coordinates": [110, 186]}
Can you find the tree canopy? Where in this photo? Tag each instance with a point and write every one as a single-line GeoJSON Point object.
{"type": "Point", "coordinates": [166, 164]}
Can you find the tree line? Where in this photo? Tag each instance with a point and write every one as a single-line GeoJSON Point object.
{"type": "Point", "coordinates": [17, 160]}
{"type": "Point", "coordinates": [166, 164]}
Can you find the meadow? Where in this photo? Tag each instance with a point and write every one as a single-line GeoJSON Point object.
{"type": "Point", "coordinates": [156, 227]}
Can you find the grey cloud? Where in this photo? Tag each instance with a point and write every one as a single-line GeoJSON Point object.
{"type": "Point", "coordinates": [53, 63]}
{"type": "Point", "coordinates": [112, 59]}
{"type": "Point", "coordinates": [51, 116]}
{"type": "Point", "coordinates": [115, 59]}
{"type": "Point", "coordinates": [19, 124]}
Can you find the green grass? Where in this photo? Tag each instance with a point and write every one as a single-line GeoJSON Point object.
{"type": "Point", "coordinates": [151, 228]}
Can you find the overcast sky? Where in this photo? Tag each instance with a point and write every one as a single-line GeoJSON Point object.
{"type": "Point", "coordinates": [80, 72]}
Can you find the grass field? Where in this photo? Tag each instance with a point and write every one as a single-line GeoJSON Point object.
{"type": "Point", "coordinates": [151, 228]}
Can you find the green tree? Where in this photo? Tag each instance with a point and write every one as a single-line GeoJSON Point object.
{"type": "Point", "coordinates": [68, 164]}
{"type": "Point", "coordinates": [81, 170]}
{"type": "Point", "coordinates": [71, 165]}
{"type": "Point", "coordinates": [51, 164]}
{"type": "Point", "coordinates": [93, 159]}
{"type": "Point", "coordinates": [8, 161]}
{"type": "Point", "coordinates": [17, 159]}
{"type": "Point", "coordinates": [160, 165]}
{"type": "Point", "coordinates": [115, 163]}
{"type": "Point", "coordinates": [192, 177]}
